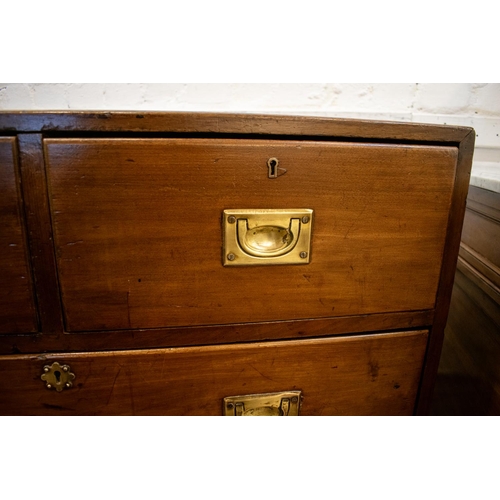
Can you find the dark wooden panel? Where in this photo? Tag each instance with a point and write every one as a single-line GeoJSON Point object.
{"type": "Point", "coordinates": [17, 311]}
{"type": "Point", "coordinates": [481, 230]}
{"type": "Point", "coordinates": [40, 232]}
{"type": "Point", "coordinates": [362, 375]}
{"type": "Point", "coordinates": [484, 201]}
{"type": "Point", "coordinates": [137, 226]}
{"type": "Point", "coordinates": [468, 381]}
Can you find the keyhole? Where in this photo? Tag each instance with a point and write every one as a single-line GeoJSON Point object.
{"type": "Point", "coordinates": [272, 164]}
{"type": "Point", "coordinates": [272, 168]}
{"type": "Point", "coordinates": [57, 373]}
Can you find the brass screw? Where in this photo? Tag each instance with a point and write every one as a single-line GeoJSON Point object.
{"type": "Point", "coordinates": [295, 399]}
{"type": "Point", "coordinates": [68, 384]}
{"type": "Point", "coordinates": [303, 255]}
{"type": "Point", "coordinates": [231, 256]}
{"type": "Point", "coordinates": [49, 386]}
{"type": "Point", "coordinates": [230, 406]}
{"type": "Point", "coordinates": [65, 368]}
{"type": "Point", "coordinates": [231, 219]}
{"type": "Point", "coordinates": [46, 369]}
{"type": "Point", "coordinates": [305, 219]}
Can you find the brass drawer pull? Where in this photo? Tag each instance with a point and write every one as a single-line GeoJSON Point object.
{"type": "Point", "coordinates": [268, 241]}
{"type": "Point", "coordinates": [267, 237]}
{"type": "Point", "coordinates": [285, 404]}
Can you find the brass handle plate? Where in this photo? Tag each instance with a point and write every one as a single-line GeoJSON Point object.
{"type": "Point", "coordinates": [284, 404]}
{"type": "Point", "coordinates": [267, 237]}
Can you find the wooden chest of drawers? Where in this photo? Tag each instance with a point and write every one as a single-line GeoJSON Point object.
{"type": "Point", "coordinates": [163, 262]}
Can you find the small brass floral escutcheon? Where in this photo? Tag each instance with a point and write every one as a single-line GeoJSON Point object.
{"type": "Point", "coordinates": [57, 376]}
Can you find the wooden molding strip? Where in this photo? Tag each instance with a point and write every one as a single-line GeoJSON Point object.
{"type": "Point", "coordinates": [218, 334]}
{"type": "Point", "coordinates": [484, 202]}
{"type": "Point", "coordinates": [228, 123]}
{"type": "Point", "coordinates": [481, 264]}
{"type": "Point", "coordinates": [479, 279]}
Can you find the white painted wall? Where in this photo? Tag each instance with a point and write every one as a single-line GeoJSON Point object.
{"type": "Point", "coordinates": [471, 104]}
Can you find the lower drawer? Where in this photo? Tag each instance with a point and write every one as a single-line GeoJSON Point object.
{"type": "Point", "coordinates": [374, 374]}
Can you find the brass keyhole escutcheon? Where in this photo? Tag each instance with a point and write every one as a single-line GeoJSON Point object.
{"type": "Point", "coordinates": [57, 376]}
{"type": "Point", "coordinates": [272, 164]}
{"type": "Point", "coordinates": [274, 170]}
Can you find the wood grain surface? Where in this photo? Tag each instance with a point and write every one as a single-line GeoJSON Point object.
{"type": "Point", "coordinates": [17, 311]}
{"type": "Point", "coordinates": [359, 375]}
{"type": "Point", "coordinates": [214, 124]}
{"type": "Point", "coordinates": [137, 227]}
{"type": "Point", "coordinates": [40, 238]}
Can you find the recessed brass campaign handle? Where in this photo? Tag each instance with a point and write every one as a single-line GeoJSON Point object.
{"type": "Point", "coordinates": [267, 236]}
{"type": "Point", "coordinates": [268, 241]}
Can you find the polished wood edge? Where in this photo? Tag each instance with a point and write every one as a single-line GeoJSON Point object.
{"type": "Point", "coordinates": [226, 123]}
{"type": "Point", "coordinates": [480, 263]}
{"type": "Point", "coordinates": [43, 357]}
{"type": "Point", "coordinates": [219, 334]}
{"type": "Point", "coordinates": [479, 279]}
{"type": "Point", "coordinates": [39, 228]}
{"type": "Point", "coordinates": [445, 287]}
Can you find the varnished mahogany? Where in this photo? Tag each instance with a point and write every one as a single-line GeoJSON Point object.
{"type": "Point", "coordinates": [122, 221]}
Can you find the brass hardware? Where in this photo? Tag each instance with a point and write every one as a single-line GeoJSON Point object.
{"type": "Point", "coordinates": [272, 164]}
{"type": "Point", "coordinates": [273, 169]}
{"type": "Point", "coordinates": [267, 237]}
{"type": "Point", "coordinates": [286, 404]}
{"type": "Point", "coordinates": [57, 376]}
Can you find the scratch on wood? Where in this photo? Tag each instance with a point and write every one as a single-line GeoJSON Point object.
{"type": "Point", "coordinates": [130, 382]}
{"type": "Point", "coordinates": [262, 373]}
{"type": "Point", "coordinates": [162, 366]}
{"type": "Point", "coordinates": [356, 220]}
{"type": "Point", "coordinates": [128, 309]}
{"type": "Point", "coordinates": [113, 386]}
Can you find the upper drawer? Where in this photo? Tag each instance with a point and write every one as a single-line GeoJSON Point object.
{"type": "Point", "coordinates": [138, 230]}
{"type": "Point", "coordinates": [17, 311]}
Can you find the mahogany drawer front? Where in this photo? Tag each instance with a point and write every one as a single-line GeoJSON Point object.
{"type": "Point", "coordinates": [137, 227]}
{"type": "Point", "coordinates": [17, 311]}
{"type": "Point", "coordinates": [359, 375]}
